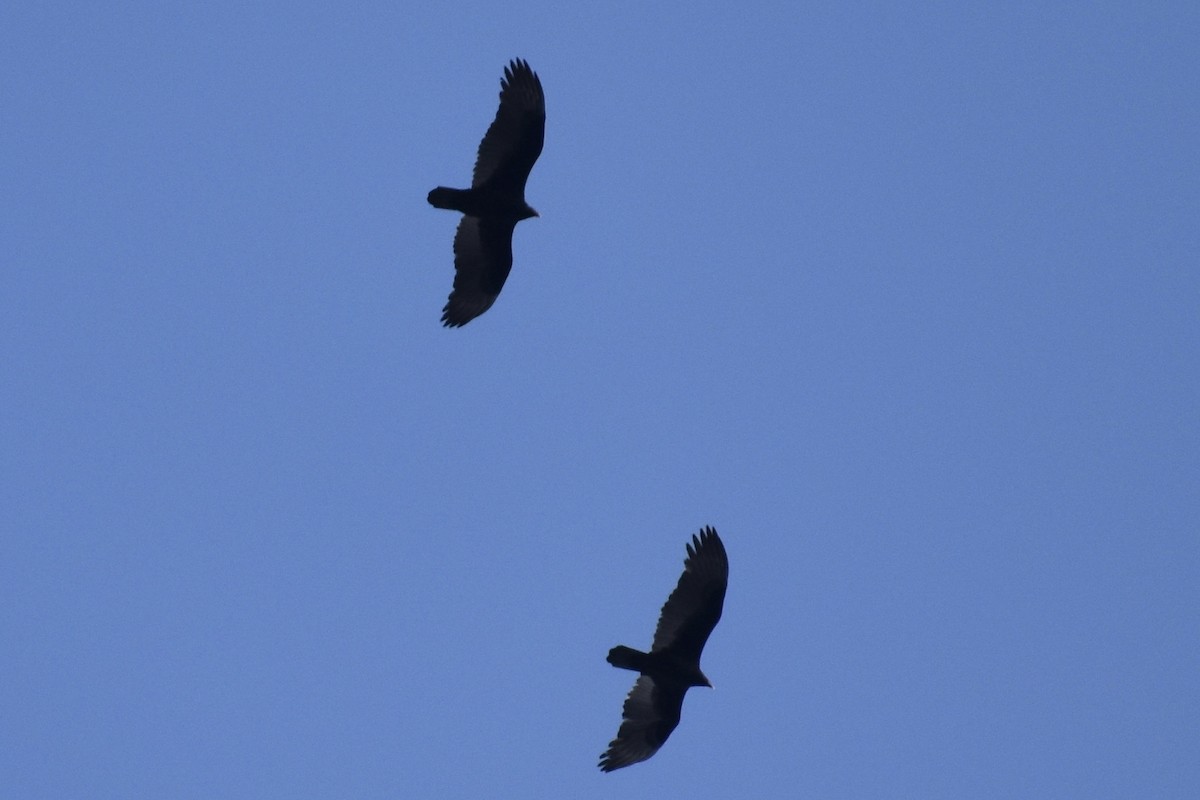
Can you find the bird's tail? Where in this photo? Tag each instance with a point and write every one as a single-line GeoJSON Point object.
{"type": "Point", "coordinates": [442, 197]}
{"type": "Point", "coordinates": [627, 658]}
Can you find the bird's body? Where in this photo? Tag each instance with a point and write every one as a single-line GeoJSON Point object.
{"type": "Point", "coordinates": [495, 203]}
{"type": "Point", "coordinates": [664, 667]}
{"type": "Point", "coordinates": [672, 666]}
{"type": "Point", "coordinates": [482, 202]}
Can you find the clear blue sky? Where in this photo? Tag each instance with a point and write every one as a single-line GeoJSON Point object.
{"type": "Point", "coordinates": [904, 300]}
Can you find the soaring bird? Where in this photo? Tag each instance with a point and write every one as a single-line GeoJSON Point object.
{"type": "Point", "coordinates": [672, 666]}
{"type": "Point", "coordinates": [495, 203]}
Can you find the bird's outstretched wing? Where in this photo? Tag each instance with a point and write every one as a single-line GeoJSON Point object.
{"type": "Point", "coordinates": [513, 141]}
{"type": "Point", "coordinates": [651, 712]}
{"type": "Point", "coordinates": [694, 608]}
{"type": "Point", "coordinates": [482, 261]}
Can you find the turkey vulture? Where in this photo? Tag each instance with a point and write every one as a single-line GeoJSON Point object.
{"type": "Point", "coordinates": [495, 203]}
{"type": "Point", "coordinates": [673, 664]}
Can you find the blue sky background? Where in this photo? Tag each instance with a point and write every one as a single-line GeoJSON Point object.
{"type": "Point", "coordinates": [904, 299]}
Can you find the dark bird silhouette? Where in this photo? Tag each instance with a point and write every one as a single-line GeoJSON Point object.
{"type": "Point", "coordinates": [495, 203]}
{"type": "Point", "coordinates": [673, 664]}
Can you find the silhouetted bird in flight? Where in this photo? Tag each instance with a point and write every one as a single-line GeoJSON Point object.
{"type": "Point", "coordinates": [495, 203]}
{"type": "Point", "coordinates": [672, 666]}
